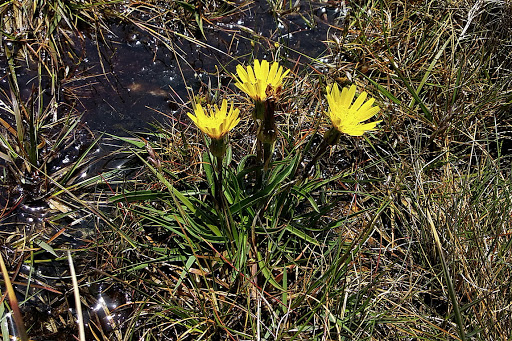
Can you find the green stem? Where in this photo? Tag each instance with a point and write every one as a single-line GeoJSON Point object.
{"type": "Point", "coordinates": [217, 150]}
{"type": "Point", "coordinates": [259, 110]}
{"type": "Point", "coordinates": [331, 137]}
{"type": "Point", "coordinates": [218, 179]}
{"type": "Point", "coordinates": [267, 132]}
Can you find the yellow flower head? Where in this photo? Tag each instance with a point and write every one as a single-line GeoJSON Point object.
{"type": "Point", "coordinates": [216, 122]}
{"type": "Point", "coordinates": [347, 117]}
{"type": "Point", "coordinates": [261, 81]}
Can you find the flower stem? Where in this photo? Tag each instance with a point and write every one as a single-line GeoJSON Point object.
{"type": "Point", "coordinates": [259, 110]}
{"type": "Point", "coordinates": [217, 150]}
{"type": "Point", "coordinates": [267, 132]}
{"type": "Point", "coordinates": [331, 137]}
{"type": "Point", "coordinates": [218, 178]}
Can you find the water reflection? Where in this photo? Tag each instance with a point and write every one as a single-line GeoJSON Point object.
{"type": "Point", "coordinates": [133, 79]}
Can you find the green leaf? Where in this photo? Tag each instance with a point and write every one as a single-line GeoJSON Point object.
{"type": "Point", "coordinates": [137, 196]}
{"type": "Point", "coordinates": [277, 177]}
{"type": "Point", "coordinates": [302, 235]}
{"type": "Point", "coordinates": [208, 170]}
{"type": "Point", "coordinates": [266, 272]}
{"type": "Point", "coordinates": [187, 6]}
{"type": "Point", "coordinates": [180, 223]}
{"type": "Point", "coordinates": [382, 90]}
{"type": "Point", "coordinates": [308, 197]}
{"type": "Point", "coordinates": [412, 91]}
{"type": "Point", "coordinates": [134, 141]}
{"type": "Point", "coordinates": [3, 325]}
{"type": "Point", "coordinates": [78, 162]}
{"type": "Point", "coordinates": [190, 261]}
{"type": "Point", "coordinates": [199, 20]}
{"type": "Point", "coordinates": [177, 194]}
{"type": "Point", "coordinates": [45, 246]}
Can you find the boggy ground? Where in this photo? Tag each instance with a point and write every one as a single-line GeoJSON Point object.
{"type": "Point", "coordinates": [400, 234]}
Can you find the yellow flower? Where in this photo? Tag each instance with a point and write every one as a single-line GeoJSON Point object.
{"type": "Point", "coordinates": [347, 117]}
{"type": "Point", "coordinates": [216, 122]}
{"type": "Point", "coordinates": [261, 81]}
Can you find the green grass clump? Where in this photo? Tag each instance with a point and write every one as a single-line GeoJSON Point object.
{"type": "Point", "coordinates": [233, 236]}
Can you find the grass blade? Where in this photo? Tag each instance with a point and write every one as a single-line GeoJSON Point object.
{"type": "Point", "coordinates": [79, 315]}
{"type": "Point", "coordinates": [446, 272]}
{"type": "Point", "coordinates": [18, 319]}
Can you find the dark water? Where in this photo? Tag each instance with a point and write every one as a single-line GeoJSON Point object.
{"type": "Point", "coordinates": [141, 80]}
{"type": "Point", "coordinates": [126, 78]}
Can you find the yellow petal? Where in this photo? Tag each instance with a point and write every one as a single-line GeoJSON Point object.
{"type": "Point", "coordinates": [255, 81]}
{"type": "Point", "coordinates": [215, 122]}
{"type": "Point", "coordinates": [347, 117]}
{"type": "Point", "coordinates": [364, 115]}
{"type": "Point", "coordinates": [360, 129]}
{"type": "Point", "coordinates": [359, 101]}
{"type": "Point", "coordinates": [192, 117]}
{"type": "Point", "coordinates": [242, 74]}
{"type": "Point", "coordinates": [347, 96]}
{"type": "Point", "coordinates": [282, 75]}
{"type": "Point", "coordinates": [251, 78]}
{"type": "Point", "coordinates": [224, 106]}
{"type": "Point", "coordinates": [273, 75]}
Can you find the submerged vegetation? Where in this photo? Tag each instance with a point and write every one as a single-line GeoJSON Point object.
{"type": "Point", "coordinates": [380, 211]}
